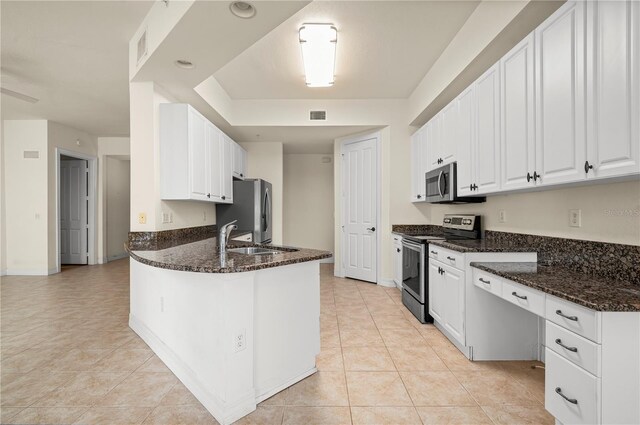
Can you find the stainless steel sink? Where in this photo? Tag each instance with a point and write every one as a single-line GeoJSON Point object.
{"type": "Point", "coordinates": [253, 250]}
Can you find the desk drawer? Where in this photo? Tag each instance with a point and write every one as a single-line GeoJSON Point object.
{"type": "Point", "coordinates": [487, 281]}
{"type": "Point", "coordinates": [576, 318]}
{"type": "Point", "coordinates": [573, 347]}
{"type": "Point", "coordinates": [527, 298]}
{"type": "Point", "coordinates": [580, 387]}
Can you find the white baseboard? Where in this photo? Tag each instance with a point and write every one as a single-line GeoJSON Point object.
{"type": "Point", "coordinates": [31, 272]}
{"type": "Point", "coordinates": [387, 283]}
{"type": "Point", "coordinates": [327, 260]}
{"type": "Point", "coordinates": [117, 257]}
{"type": "Point", "coordinates": [223, 412]}
{"type": "Point", "coordinates": [3, 272]}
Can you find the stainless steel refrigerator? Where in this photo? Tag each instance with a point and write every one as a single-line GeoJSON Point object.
{"type": "Point", "coordinates": [251, 207]}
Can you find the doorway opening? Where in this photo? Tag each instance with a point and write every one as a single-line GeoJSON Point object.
{"type": "Point", "coordinates": [75, 209]}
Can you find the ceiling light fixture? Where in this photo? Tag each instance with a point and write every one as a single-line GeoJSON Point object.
{"type": "Point", "coordinates": [182, 63]}
{"type": "Point", "coordinates": [242, 9]}
{"type": "Point", "coordinates": [318, 44]}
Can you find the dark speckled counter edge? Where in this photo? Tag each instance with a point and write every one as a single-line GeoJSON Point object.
{"type": "Point", "coordinates": [161, 239]}
{"type": "Point", "coordinates": [609, 305]}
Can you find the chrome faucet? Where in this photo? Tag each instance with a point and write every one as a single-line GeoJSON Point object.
{"type": "Point", "coordinates": [225, 232]}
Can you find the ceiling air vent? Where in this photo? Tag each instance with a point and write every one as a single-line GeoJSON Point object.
{"type": "Point", "coordinates": [317, 115]}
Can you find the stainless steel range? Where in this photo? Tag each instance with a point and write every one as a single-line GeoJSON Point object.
{"type": "Point", "coordinates": [415, 278]}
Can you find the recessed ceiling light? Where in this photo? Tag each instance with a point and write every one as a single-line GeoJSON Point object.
{"type": "Point", "coordinates": [242, 9]}
{"type": "Point", "coordinates": [181, 63]}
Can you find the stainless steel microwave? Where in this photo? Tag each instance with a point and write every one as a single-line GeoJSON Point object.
{"type": "Point", "coordinates": [442, 186]}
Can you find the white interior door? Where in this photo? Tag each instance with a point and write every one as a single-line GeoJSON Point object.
{"type": "Point", "coordinates": [73, 212]}
{"type": "Point", "coordinates": [360, 199]}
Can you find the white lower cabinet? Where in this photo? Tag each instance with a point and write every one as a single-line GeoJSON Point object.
{"type": "Point", "coordinates": [446, 298]}
{"type": "Point", "coordinates": [571, 394]}
{"type": "Point", "coordinates": [396, 254]}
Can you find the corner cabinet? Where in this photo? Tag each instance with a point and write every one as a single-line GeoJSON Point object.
{"type": "Point", "coordinates": [418, 165]}
{"type": "Point", "coordinates": [239, 161]}
{"type": "Point", "coordinates": [195, 157]}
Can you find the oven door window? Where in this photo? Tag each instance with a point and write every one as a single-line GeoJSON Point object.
{"type": "Point", "coordinates": [412, 272]}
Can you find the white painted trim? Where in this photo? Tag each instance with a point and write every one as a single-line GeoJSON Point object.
{"type": "Point", "coordinates": [117, 257]}
{"type": "Point", "coordinates": [92, 163]}
{"type": "Point", "coordinates": [31, 272]}
{"type": "Point", "coordinates": [262, 397]}
{"type": "Point", "coordinates": [387, 283]}
{"type": "Point", "coordinates": [3, 272]}
{"type": "Point", "coordinates": [346, 141]}
{"type": "Point", "coordinates": [191, 380]}
{"type": "Point", "coordinates": [328, 260]}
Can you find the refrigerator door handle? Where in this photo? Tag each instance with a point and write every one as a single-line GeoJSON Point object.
{"type": "Point", "coordinates": [267, 210]}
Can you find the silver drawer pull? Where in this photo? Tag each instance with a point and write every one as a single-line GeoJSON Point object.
{"type": "Point", "coordinates": [574, 318]}
{"type": "Point", "coordinates": [450, 258]}
{"type": "Point", "coordinates": [434, 252]}
{"type": "Point", "coordinates": [522, 297]}
{"type": "Point", "coordinates": [570, 400]}
{"type": "Point", "coordinates": [488, 282]}
{"type": "Point", "coordinates": [573, 349]}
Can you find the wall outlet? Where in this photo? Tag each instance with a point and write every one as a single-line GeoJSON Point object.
{"type": "Point", "coordinates": [167, 217]}
{"type": "Point", "coordinates": [502, 214]}
{"type": "Point", "coordinates": [575, 218]}
{"type": "Point", "coordinates": [142, 218]}
{"type": "Point", "coordinates": [240, 340]}
{"type": "Point", "coordinates": [204, 216]}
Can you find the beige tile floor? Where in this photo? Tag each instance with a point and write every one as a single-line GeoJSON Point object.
{"type": "Point", "coordinates": [68, 357]}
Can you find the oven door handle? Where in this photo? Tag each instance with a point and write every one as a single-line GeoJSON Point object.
{"type": "Point", "coordinates": [411, 245]}
{"type": "Point", "coordinates": [439, 186]}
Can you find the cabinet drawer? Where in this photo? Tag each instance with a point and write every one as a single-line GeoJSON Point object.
{"type": "Point", "coordinates": [446, 256]}
{"type": "Point", "coordinates": [487, 281]}
{"type": "Point", "coordinates": [573, 347]}
{"type": "Point", "coordinates": [576, 318]}
{"type": "Point", "coordinates": [580, 387]}
{"type": "Point", "coordinates": [527, 298]}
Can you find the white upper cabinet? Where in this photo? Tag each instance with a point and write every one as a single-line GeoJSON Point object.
{"type": "Point", "coordinates": [239, 161]}
{"type": "Point", "coordinates": [418, 165]}
{"type": "Point", "coordinates": [613, 89]}
{"type": "Point", "coordinates": [196, 158]}
{"type": "Point", "coordinates": [560, 77]}
{"type": "Point", "coordinates": [487, 137]}
{"type": "Point", "coordinates": [448, 134]}
{"type": "Point", "coordinates": [465, 142]}
{"type": "Point", "coordinates": [517, 135]}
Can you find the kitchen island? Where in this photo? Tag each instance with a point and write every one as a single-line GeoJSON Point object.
{"type": "Point", "coordinates": [234, 328]}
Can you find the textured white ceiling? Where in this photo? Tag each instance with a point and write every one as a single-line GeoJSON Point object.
{"type": "Point", "coordinates": [72, 55]}
{"type": "Point", "coordinates": [384, 49]}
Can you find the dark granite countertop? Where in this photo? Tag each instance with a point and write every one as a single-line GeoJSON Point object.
{"type": "Point", "coordinates": [481, 245]}
{"type": "Point", "coordinates": [203, 256]}
{"type": "Point", "coordinates": [591, 291]}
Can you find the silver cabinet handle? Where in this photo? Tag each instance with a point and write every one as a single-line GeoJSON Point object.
{"type": "Point", "coordinates": [572, 349]}
{"type": "Point", "coordinates": [570, 400]}
{"type": "Point", "coordinates": [434, 252]}
{"type": "Point", "coordinates": [488, 282]}
{"type": "Point", "coordinates": [574, 318]}
{"type": "Point", "coordinates": [450, 258]}
{"type": "Point", "coordinates": [522, 297]}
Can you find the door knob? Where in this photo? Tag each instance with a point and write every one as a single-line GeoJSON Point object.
{"type": "Point", "coordinates": [373, 229]}
{"type": "Point", "coordinates": [397, 249]}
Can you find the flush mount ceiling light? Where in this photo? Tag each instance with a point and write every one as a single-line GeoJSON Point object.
{"type": "Point", "coordinates": [318, 44]}
{"type": "Point", "coordinates": [182, 63]}
{"type": "Point", "coordinates": [242, 9]}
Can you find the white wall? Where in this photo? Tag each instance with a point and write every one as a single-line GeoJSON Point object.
{"type": "Point", "coordinates": [3, 212]}
{"type": "Point", "coordinates": [117, 206]}
{"type": "Point", "coordinates": [308, 219]}
{"type": "Point", "coordinates": [145, 100]}
{"type": "Point", "coordinates": [26, 197]}
{"type": "Point", "coordinates": [265, 161]}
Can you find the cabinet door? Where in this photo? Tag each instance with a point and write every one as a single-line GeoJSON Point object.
{"type": "Point", "coordinates": [517, 137]}
{"type": "Point", "coordinates": [198, 157]}
{"type": "Point", "coordinates": [613, 88]}
{"type": "Point", "coordinates": [464, 142]}
{"type": "Point", "coordinates": [453, 308]}
{"type": "Point", "coordinates": [487, 140]}
{"type": "Point", "coordinates": [239, 161]}
{"type": "Point", "coordinates": [214, 160]}
{"type": "Point", "coordinates": [448, 134]}
{"type": "Point", "coordinates": [417, 168]}
{"type": "Point", "coordinates": [436, 296]}
{"type": "Point", "coordinates": [434, 142]}
{"type": "Point", "coordinates": [227, 169]}
{"type": "Point", "coordinates": [560, 68]}
{"type": "Point", "coordinates": [397, 262]}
